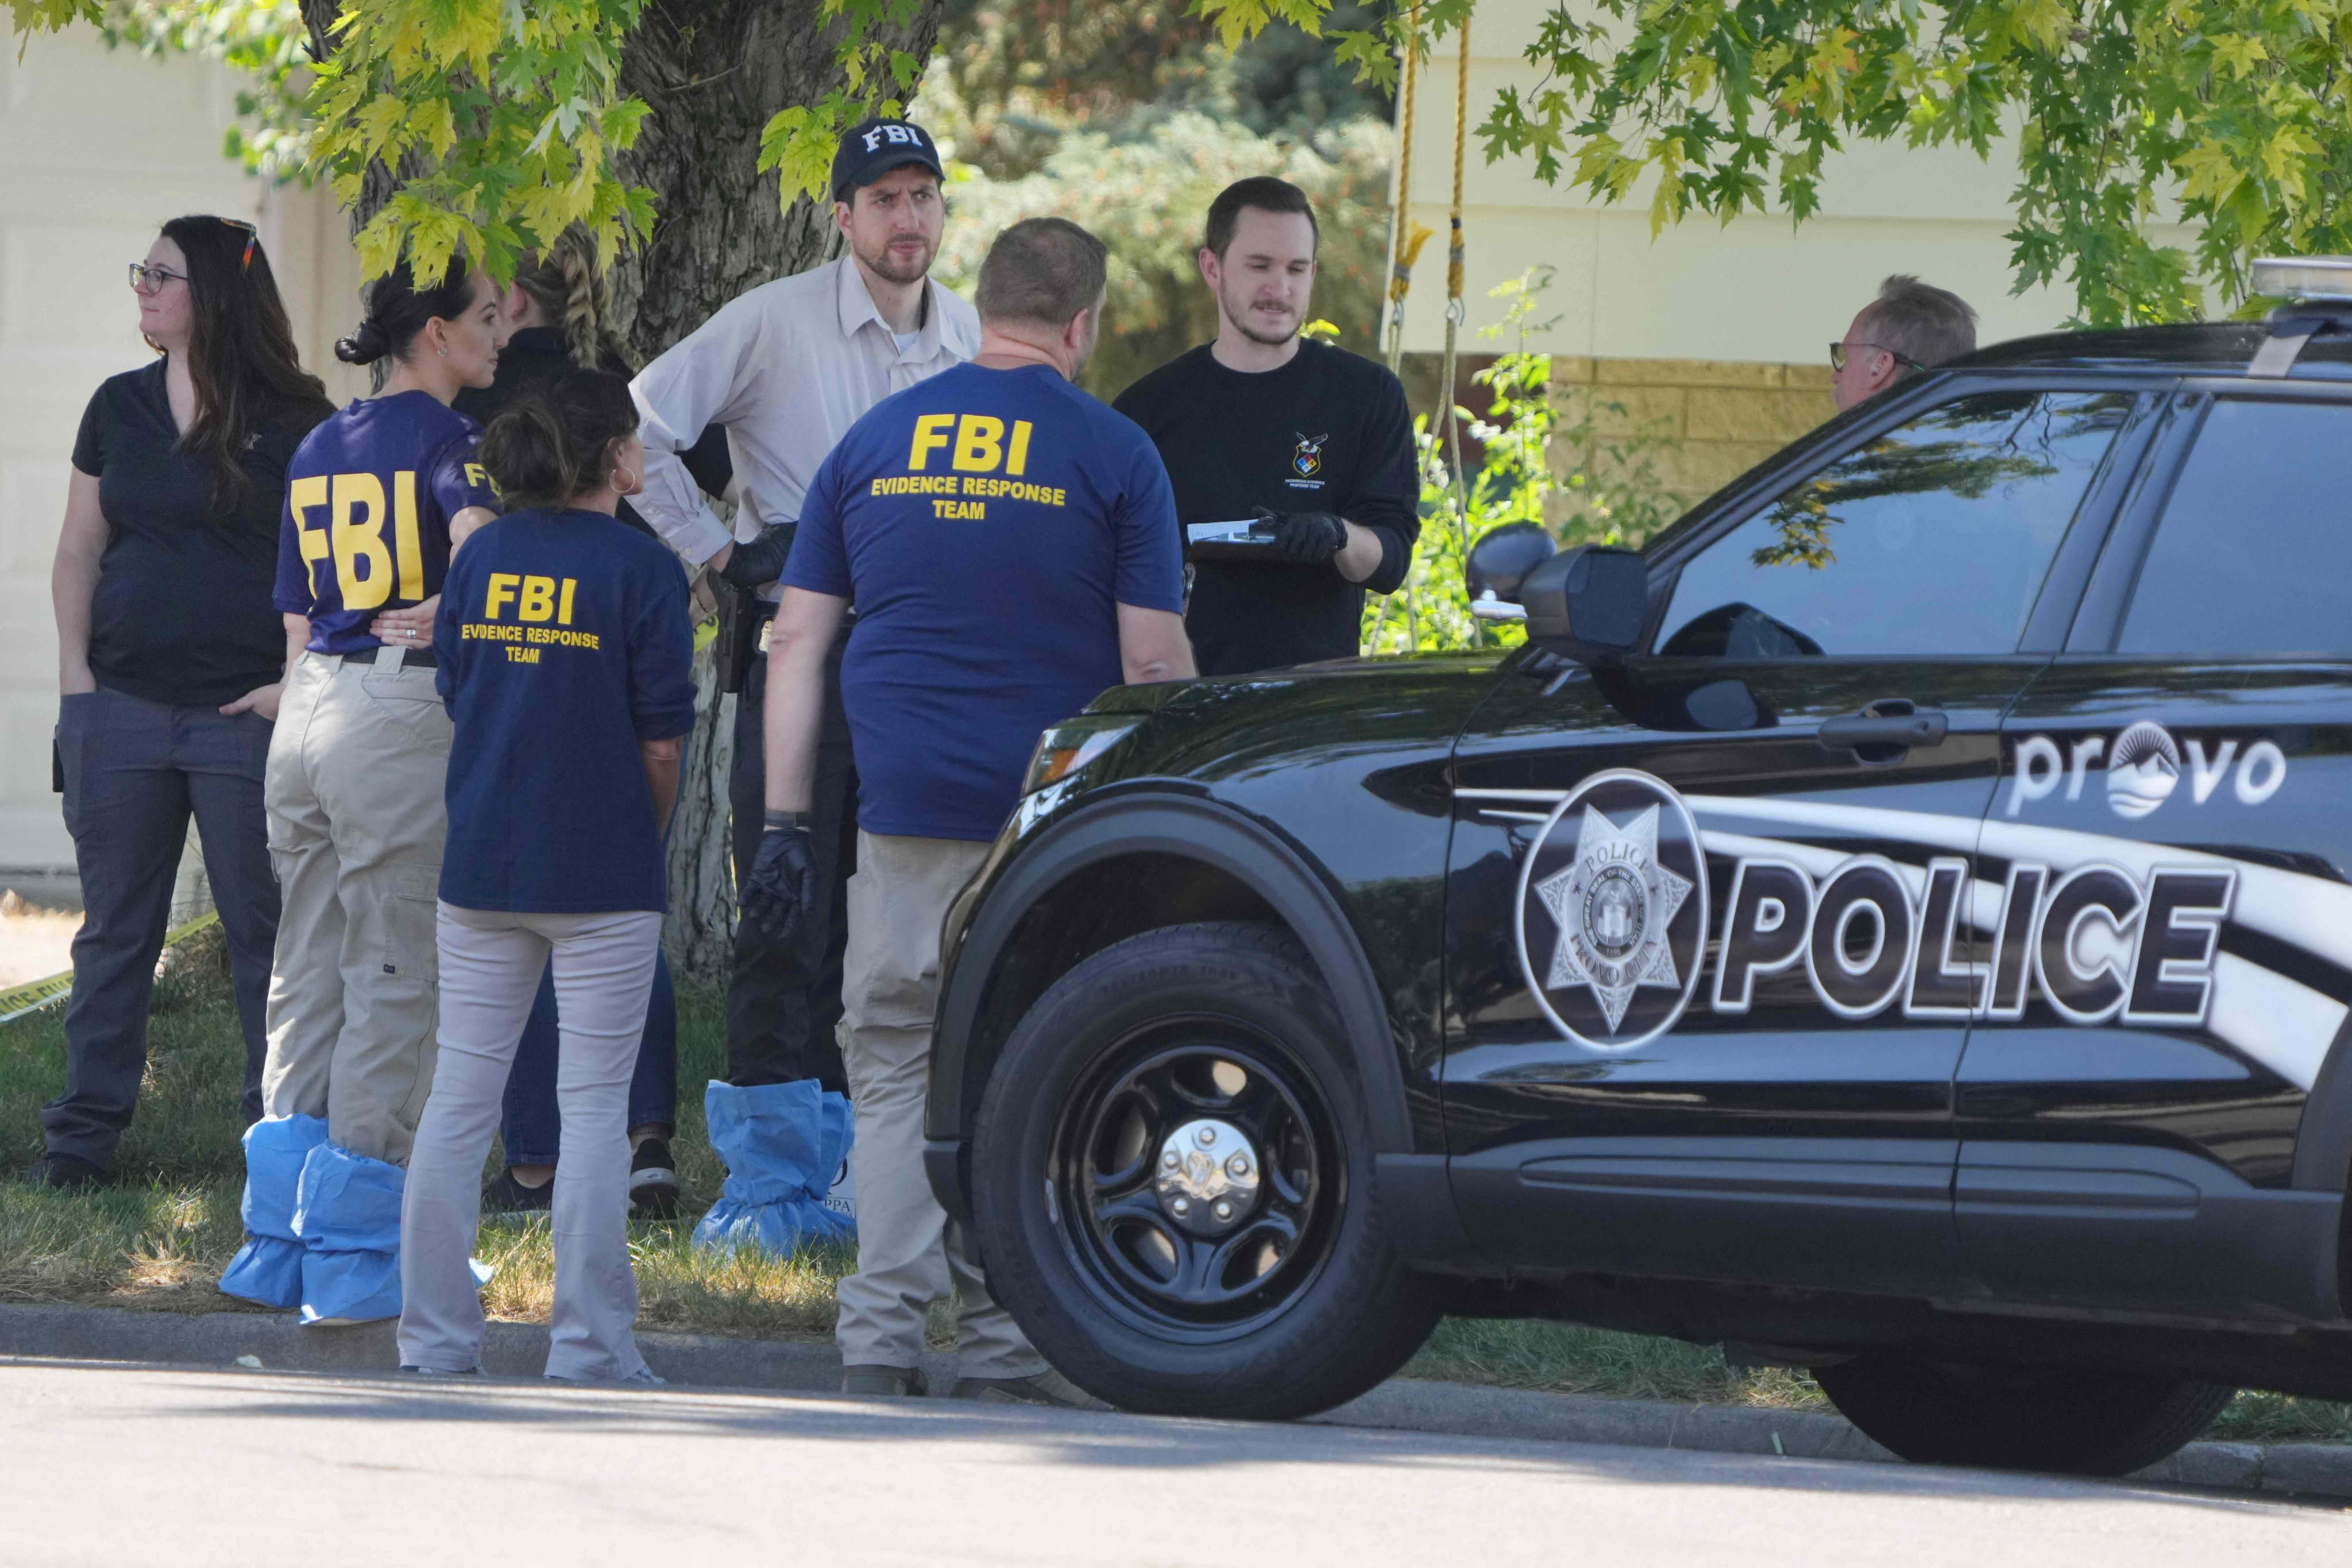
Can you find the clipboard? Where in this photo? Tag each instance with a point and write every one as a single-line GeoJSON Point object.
{"type": "Point", "coordinates": [1238, 539]}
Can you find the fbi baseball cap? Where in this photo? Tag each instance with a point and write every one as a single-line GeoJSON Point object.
{"type": "Point", "coordinates": [872, 148]}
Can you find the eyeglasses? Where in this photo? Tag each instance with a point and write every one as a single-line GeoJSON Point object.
{"type": "Point", "coordinates": [1837, 355]}
{"type": "Point", "coordinates": [149, 279]}
{"type": "Point", "coordinates": [251, 235]}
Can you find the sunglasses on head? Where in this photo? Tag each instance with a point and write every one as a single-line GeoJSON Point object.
{"type": "Point", "coordinates": [251, 235]}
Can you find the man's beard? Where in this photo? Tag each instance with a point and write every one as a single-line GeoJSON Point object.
{"type": "Point", "coordinates": [886, 266]}
{"type": "Point", "coordinates": [1242, 323]}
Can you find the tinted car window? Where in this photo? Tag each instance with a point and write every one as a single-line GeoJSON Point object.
{"type": "Point", "coordinates": [1932, 538]}
{"type": "Point", "coordinates": [2255, 547]}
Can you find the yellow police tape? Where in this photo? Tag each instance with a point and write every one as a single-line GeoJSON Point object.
{"type": "Point", "coordinates": [36, 994]}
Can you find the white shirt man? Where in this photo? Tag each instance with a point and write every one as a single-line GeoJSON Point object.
{"type": "Point", "coordinates": [787, 368]}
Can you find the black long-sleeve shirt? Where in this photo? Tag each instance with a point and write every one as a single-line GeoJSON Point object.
{"type": "Point", "coordinates": [538, 353]}
{"type": "Point", "coordinates": [1327, 432]}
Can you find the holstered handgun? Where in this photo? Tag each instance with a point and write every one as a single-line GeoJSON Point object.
{"type": "Point", "coordinates": [739, 634]}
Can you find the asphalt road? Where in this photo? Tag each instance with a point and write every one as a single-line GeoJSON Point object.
{"type": "Point", "coordinates": [118, 1464]}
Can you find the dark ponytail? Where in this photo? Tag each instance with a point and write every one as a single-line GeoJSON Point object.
{"type": "Point", "coordinates": [398, 308]}
{"type": "Point", "coordinates": [554, 441]}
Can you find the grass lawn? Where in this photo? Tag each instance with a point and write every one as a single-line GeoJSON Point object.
{"type": "Point", "coordinates": [161, 1244]}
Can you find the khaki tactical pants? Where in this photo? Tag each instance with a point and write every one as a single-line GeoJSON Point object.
{"type": "Point", "coordinates": [907, 1259]}
{"type": "Point", "coordinates": [356, 825]}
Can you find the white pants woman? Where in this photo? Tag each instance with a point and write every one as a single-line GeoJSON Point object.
{"type": "Point", "coordinates": [565, 657]}
{"type": "Point", "coordinates": [490, 965]}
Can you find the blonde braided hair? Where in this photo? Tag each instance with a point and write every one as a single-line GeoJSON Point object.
{"type": "Point", "coordinates": [572, 295]}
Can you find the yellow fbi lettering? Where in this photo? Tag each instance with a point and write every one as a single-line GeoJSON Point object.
{"type": "Point", "coordinates": [531, 598]}
{"type": "Point", "coordinates": [368, 569]}
{"type": "Point", "coordinates": [975, 444]}
{"type": "Point", "coordinates": [519, 608]}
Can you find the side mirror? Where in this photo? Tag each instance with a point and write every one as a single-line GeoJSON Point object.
{"type": "Point", "coordinates": [1589, 603]}
{"type": "Point", "coordinates": [1498, 565]}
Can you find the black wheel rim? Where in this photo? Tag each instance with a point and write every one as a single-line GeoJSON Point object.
{"type": "Point", "coordinates": [1130, 1254]}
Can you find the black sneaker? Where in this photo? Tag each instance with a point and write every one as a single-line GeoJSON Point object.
{"type": "Point", "coordinates": [506, 1195]}
{"type": "Point", "coordinates": [653, 1182]}
{"type": "Point", "coordinates": [68, 1173]}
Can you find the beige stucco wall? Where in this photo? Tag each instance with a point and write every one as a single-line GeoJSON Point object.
{"type": "Point", "coordinates": [98, 148]}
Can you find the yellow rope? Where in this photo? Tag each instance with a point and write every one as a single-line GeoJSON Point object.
{"type": "Point", "coordinates": [1455, 311]}
{"type": "Point", "coordinates": [1405, 237]}
{"type": "Point", "coordinates": [1461, 132]}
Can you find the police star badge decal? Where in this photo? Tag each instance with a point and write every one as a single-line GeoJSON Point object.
{"type": "Point", "coordinates": [1613, 905]}
{"type": "Point", "coordinates": [1611, 916]}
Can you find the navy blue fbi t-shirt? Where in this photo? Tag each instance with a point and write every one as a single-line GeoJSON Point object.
{"type": "Point", "coordinates": [369, 497]}
{"type": "Point", "coordinates": [562, 641]}
{"type": "Point", "coordinates": [986, 523]}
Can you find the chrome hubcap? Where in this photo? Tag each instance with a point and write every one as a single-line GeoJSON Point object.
{"type": "Point", "coordinates": [1207, 1178]}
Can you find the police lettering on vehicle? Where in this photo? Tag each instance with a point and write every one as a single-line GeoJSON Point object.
{"type": "Point", "coordinates": [1613, 918]}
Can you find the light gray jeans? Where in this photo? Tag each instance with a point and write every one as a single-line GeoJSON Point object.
{"type": "Point", "coordinates": [490, 965]}
{"type": "Point", "coordinates": [908, 1254]}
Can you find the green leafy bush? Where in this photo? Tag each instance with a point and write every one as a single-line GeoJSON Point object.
{"type": "Point", "coordinates": [1606, 492]}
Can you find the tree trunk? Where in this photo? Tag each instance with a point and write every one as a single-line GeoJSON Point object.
{"type": "Point", "coordinates": [714, 72]}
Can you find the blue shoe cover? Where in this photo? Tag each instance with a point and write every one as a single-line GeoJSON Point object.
{"type": "Point", "coordinates": [781, 1143]}
{"type": "Point", "coordinates": [348, 1215]}
{"type": "Point", "coordinates": [268, 1267]}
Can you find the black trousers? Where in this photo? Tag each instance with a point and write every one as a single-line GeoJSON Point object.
{"type": "Point", "coordinates": [783, 1001]}
{"type": "Point", "coordinates": [134, 771]}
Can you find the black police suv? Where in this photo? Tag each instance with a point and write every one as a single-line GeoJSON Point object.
{"type": "Point", "coordinates": [1897, 923]}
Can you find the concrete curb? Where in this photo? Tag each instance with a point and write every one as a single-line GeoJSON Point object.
{"type": "Point", "coordinates": [274, 1341]}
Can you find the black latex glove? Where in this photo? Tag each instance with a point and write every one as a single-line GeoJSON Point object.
{"type": "Point", "coordinates": [776, 899]}
{"type": "Point", "coordinates": [760, 560]}
{"type": "Point", "coordinates": [1312, 537]}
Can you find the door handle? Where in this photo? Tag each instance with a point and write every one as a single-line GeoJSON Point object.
{"type": "Point", "coordinates": [1884, 730]}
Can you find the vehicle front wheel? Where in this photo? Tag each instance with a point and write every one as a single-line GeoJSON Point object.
{"type": "Point", "coordinates": [2072, 1421]}
{"type": "Point", "coordinates": [1171, 1183]}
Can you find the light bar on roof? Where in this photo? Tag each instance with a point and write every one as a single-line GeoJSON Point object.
{"type": "Point", "coordinates": [2305, 276]}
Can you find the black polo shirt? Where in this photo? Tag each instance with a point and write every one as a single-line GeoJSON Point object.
{"type": "Point", "coordinates": [1327, 432]}
{"type": "Point", "coordinates": [181, 613]}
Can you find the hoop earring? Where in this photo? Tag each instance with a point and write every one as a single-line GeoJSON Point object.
{"type": "Point", "coordinates": [627, 488]}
